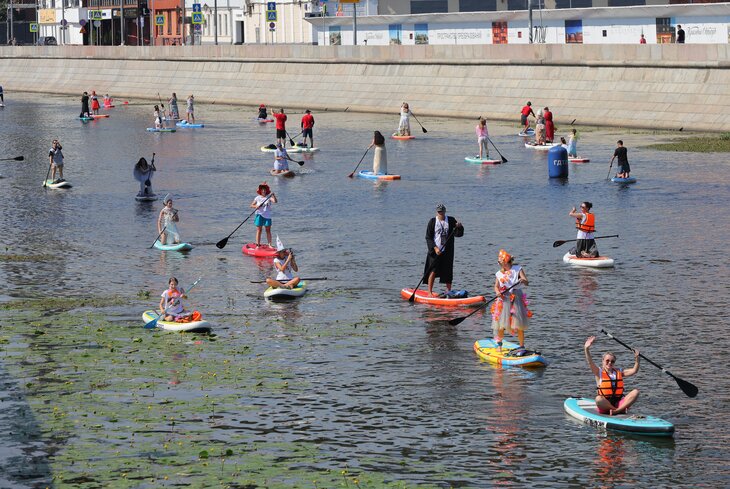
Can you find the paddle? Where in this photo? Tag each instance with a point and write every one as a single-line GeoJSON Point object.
{"type": "Point", "coordinates": [152, 168]}
{"type": "Point", "coordinates": [455, 321]}
{"type": "Point", "coordinates": [264, 281]}
{"type": "Point", "coordinates": [609, 169]}
{"type": "Point", "coordinates": [358, 163]}
{"type": "Point", "coordinates": [222, 243]}
{"type": "Point", "coordinates": [153, 324]}
{"type": "Point", "coordinates": [48, 173]}
{"type": "Point", "coordinates": [504, 160]}
{"type": "Point", "coordinates": [291, 141]}
{"type": "Point", "coordinates": [163, 230]}
{"type": "Point", "coordinates": [412, 298]}
{"type": "Point", "coordinates": [300, 163]}
{"type": "Point", "coordinates": [419, 123]}
{"type": "Point", "coordinates": [562, 242]}
{"type": "Point", "coordinates": [687, 387]}
{"type": "Point", "coordinates": [17, 158]}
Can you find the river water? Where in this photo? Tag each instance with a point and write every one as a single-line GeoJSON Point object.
{"type": "Point", "coordinates": [375, 388]}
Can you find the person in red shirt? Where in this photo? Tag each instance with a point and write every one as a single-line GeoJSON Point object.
{"type": "Point", "coordinates": [642, 40]}
{"type": "Point", "coordinates": [280, 126]}
{"type": "Point", "coordinates": [307, 125]}
{"type": "Point", "coordinates": [549, 125]}
{"type": "Point", "coordinates": [526, 110]}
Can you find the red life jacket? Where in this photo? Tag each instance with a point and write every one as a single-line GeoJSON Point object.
{"type": "Point", "coordinates": [589, 226]}
{"type": "Point", "coordinates": [609, 388]}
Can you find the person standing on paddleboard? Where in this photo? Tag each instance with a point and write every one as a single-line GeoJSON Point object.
{"type": "Point", "coordinates": [573, 144]}
{"type": "Point", "coordinates": [55, 157]}
{"type": "Point", "coordinates": [307, 124]}
{"type": "Point", "coordinates": [158, 117]}
{"type": "Point", "coordinates": [540, 129]}
{"type": "Point", "coordinates": [585, 223]}
{"type": "Point", "coordinates": [190, 110]}
{"type": "Point", "coordinates": [94, 103]}
{"type": "Point", "coordinates": [524, 113]}
{"type": "Point", "coordinates": [440, 233]}
{"type": "Point", "coordinates": [623, 160]}
{"type": "Point", "coordinates": [611, 399]}
{"type": "Point", "coordinates": [549, 126]}
{"type": "Point", "coordinates": [143, 174]}
{"type": "Point", "coordinates": [482, 138]}
{"type": "Point", "coordinates": [380, 156]}
{"type": "Point", "coordinates": [262, 203]}
{"type": "Point", "coordinates": [285, 266]}
{"type": "Point", "coordinates": [404, 125]}
{"type": "Point", "coordinates": [2, 96]}
{"type": "Point", "coordinates": [171, 305]}
{"type": "Point", "coordinates": [167, 221]}
{"type": "Point", "coordinates": [85, 112]}
{"type": "Point", "coordinates": [174, 110]}
{"type": "Point", "coordinates": [280, 126]}
{"type": "Point", "coordinates": [509, 312]}
{"type": "Point", "coordinates": [281, 160]}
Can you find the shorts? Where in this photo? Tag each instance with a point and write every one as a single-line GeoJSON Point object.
{"type": "Point", "coordinates": [307, 133]}
{"type": "Point", "coordinates": [262, 221]}
{"type": "Point", "coordinates": [624, 168]}
{"type": "Point", "coordinates": [612, 401]}
{"type": "Point", "coordinates": [281, 133]}
{"type": "Point", "coordinates": [58, 164]}
{"type": "Point", "coordinates": [523, 119]}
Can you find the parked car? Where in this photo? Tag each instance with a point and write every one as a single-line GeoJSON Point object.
{"type": "Point", "coordinates": [47, 41]}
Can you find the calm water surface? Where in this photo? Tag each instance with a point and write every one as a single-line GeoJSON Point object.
{"type": "Point", "coordinates": [404, 394]}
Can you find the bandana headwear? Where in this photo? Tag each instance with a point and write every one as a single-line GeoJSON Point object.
{"type": "Point", "coordinates": [279, 244]}
{"type": "Point", "coordinates": [167, 198]}
{"type": "Point", "coordinates": [504, 257]}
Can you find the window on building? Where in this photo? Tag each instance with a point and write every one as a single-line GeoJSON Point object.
{"type": "Point", "coordinates": [664, 30]}
{"type": "Point", "coordinates": [574, 32]}
{"type": "Point", "coordinates": [573, 3]}
{"type": "Point", "coordinates": [396, 33]}
{"type": "Point", "coordinates": [429, 6]}
{"type": "Point", "coordinates": [499, 32]}
{"type": "Point", "coordinates": [421, 31]}
{"type": "Point", "coordinates": [168, 22]}
{"type": "Point", "coordinates": [477, 5]}
{"type": "Point", "coordinates": [335, 35]}
{"type": "Point", "coordinates": [625, 3]}
{"type": "Point", "coordinates": [524, 5]}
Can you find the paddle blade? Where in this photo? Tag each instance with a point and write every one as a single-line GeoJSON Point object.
{"type": "Point", "coordinates": [687, 387]}
{"type": "Point", "coordinates": [504, 160]}
{"type": "Point", "coordinates": [351, 175]}
{"type": "Point", "coordinates": [222, 243]}
{"type": "Point", "coordinates": [412, 298]}
{"type": "Point", "coordinates": [455, 321]}
{"type": "Point", "coordinates": [424, 130]}
{"type": "Point", "coordinates": [300, 163]}
{"type": "Point", "coordinates": [558, 243]}
{"type": "Point", "coordinates": [152, 324]}
{"type": "Point", "coordinates": [19, 158]}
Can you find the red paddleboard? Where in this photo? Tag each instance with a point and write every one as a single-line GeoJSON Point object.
{"type": "Point", "coordinates": [402, 138]}
{"type": "Point", "coordinates": [579, 160]}
{"type": "Point", "coordinates": [262, 251]}
{"type": "Point", "coordinates": [423, 298]}
{"type": "Point", "coordinates": [100, 116]}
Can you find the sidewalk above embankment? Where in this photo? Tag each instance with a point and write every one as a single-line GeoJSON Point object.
{"type": "Point", "coordinates": [651, 86]}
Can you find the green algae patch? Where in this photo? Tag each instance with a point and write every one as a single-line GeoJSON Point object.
{"type": "Point", "coordinates": [7, 257]}
{"type": "Point", "coordinates": [120, 406]}
{"type": "Point", "coordinates": [63, 303]}
{"type": "Point", "coordinates": [697, 144]}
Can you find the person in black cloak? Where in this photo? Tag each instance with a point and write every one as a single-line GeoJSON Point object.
{"type": "Point", "coordinates": [440, 233]}
{"type": "Point", "coordinates": [143, 172]}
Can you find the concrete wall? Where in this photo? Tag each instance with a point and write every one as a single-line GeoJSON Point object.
{"type": "Point", "coordinates": [653, 86]}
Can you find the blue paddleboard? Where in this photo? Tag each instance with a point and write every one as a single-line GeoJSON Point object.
{"type": "Point", "coordinates": [585, 410]}
{"type": "Point", "coordinates": [624, 180]}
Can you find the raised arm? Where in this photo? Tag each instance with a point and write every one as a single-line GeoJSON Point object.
{"type": "Point", "coordinates": [633, 370]}
{"type": "Point", "coordinates": [589, 359]}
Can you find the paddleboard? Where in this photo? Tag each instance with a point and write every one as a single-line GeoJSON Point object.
{"type": "Point", "coordinates": [263, 121]}
{"type": "Point", "coordinates": [164, 129]}
{"type": "Point", "coordinates": [529, 132]}
{"type": "Point", "coordinates": [510, 354]}
{"type": "Point", "coordinates": [266, 149]}
{"type": "Point", "coordinates": [186, 124]}
{"type": "Point", "coordinates": [63, 184]}
{"type": "Point", "coordinates": [483, 161]}
{"type": "Point", "coordinates": [541, 147]}
{"type": "Point", "coordinates": [578, 159]}
{"type": "Point", "coordinates": [597, 262]}
{"type": "Point", "coordinates": [624, 180]}
{"type": "Point", "coordinates": [100, 116]}
{"type": "Point", "coordinates": [402, 138]}
{"type": "Point", "coordinates": [86, 119]}
{"type": "Point", "coordinates": [376, 176]}
{"type": "Point", "coordinates": [286, 294]}
{"type": "Point", "coordinates": [145, 198]}
{"type": "Point", "coordinates": [173, 247]}
{"type": "Point", "coordinates": [585, 410]}
{"type": "Point", "coordinates": [108, 106]}
{"type": "Point", "coordinates": [193, 326]}
{"type": "Point", "coordinates": [422, 298]}
{"type": "Point", "coordinates": [285, 174]}
{"type": "Point", "coordinates": [263, 251]}
{"type": "Point", "coordinates": [302, 149]}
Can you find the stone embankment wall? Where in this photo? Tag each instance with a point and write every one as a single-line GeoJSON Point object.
{"type": "Point", "coordinates": [645, 86]}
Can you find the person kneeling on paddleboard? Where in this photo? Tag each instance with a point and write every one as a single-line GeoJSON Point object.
{"type": "Point", "coordinates": [610, 382]}
{"type": "Point", "coordinates": [262, 112]}
{"type": "Point", "coordinates": [285, 265]}
{"type": "Point", "coordinates": [585, 223]}
{"type": "Point", "coordinates": [171, 306]}
{"type": "Point", "coordinates": [167, 222]}
{"type": "Point", "coordinates": [509, 312]}
{"type": "Point", "coordinates": [281, 157]}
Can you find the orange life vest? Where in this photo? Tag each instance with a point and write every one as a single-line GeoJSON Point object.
{"type": "Point", "coordinates": [609, 388]}
{"type": "Point", "coordinates": [589, 226]}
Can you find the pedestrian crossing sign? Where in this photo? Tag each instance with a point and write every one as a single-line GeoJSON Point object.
{"type": "Point", "coordinates": [197, 18]}
{"type": "Point", "coordinates": [159, 20]}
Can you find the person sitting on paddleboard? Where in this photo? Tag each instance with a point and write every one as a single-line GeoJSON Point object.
{"type": "Point", "coordinates": [573, 144]}
{"type": "Point", "coordinates": [623, 160]}
{"type": "Point", "coordinates": [509, 312]}
{"type": "Point", "coordinates": [174, 110]}
{"type": "Point", "coordinates": [285, 266]}
{"type": "Point", "coordinates": [262, 112]}
{"type": "Point", "coordinates": [281, 160]}
{"type": "Point", "coordinates": [440, 233]}
{"type": "Point", "coordinates": [610, 382]}
{"type": "Point", "coordinates": [94, 103]}
{"type": "Point", "coordinates": [404, 125]}
{"type": "Point", "coordinates": [263, 211]}
{"type": "Point", "coordinates": [107, 100]}
{"type": "Point", "coordinates": [143, 174]}
{"type": "Point", "coordinates": [158, 117]}
{"type": "Point", "coordinates": [526, 111]}
{"type": "Point", "coordinates": [482, 138]}
{"type": "Point", "coordinates": [307, 125]}
{"type": "Point", "coordinates": [171, 303]}
{"type": "Point", "coordinates": [585, 223]}
{"type": "Point", "coordinates": [380, 156]}
{"type": "Point", "coordinates": [167, 221]}
{"type": "Point", "coordinates": [540, 129]}
{"type": "Point", "coordinates": [280, 126]}
{"type": "Point", "coordinates": [55, 156]}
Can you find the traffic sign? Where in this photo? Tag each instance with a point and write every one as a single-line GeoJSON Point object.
{"type": "Point", "coordinates": [33, 27]}
{"type": "Point", "coordinates": [198, 27]}
{"type": "Point", "coordinates": [82, 22]}
{"type": "Point", "coordinates": [196, 7]}
{"type": "Point", "coordinates": [97, 23]}
{"type": "Point", "coordinates": [271, 15]}
{"type": "Point", "coordinates": [95, 14]}
{"type": "Point", "coordinates": [159, 20]}
{"type": "Point", "coordinates": [197, 17]}
{"type": "Point", "coordinates": [64, 22]}
{"type": "Point", "coordinates": [270, 5]}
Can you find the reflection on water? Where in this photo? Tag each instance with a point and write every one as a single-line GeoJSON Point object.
{"type": "Point", "coordinates": [387, 385]}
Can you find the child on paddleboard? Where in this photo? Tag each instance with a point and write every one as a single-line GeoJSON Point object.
{"type": "Point", "coordinates": [55, 155]}
{"type": "Point", "coordinates": [285, 266]}
{"type": "Point", "coordinates": [262, 203]}
{"type": "Point", "coordinates": [611, 399]}
{"type": "Point", "coordinates": [94, 103]}
{"type": "Point", "coordinates": [158, 117]}
{"type": "Point", "coordinates": [509, 311]}
{"type": "Point", "coordinates": [167, 222]}
{"type": "Point", "coordinates": [171, 305]}
{"type": "Point", "coordinates": [482, 138]}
